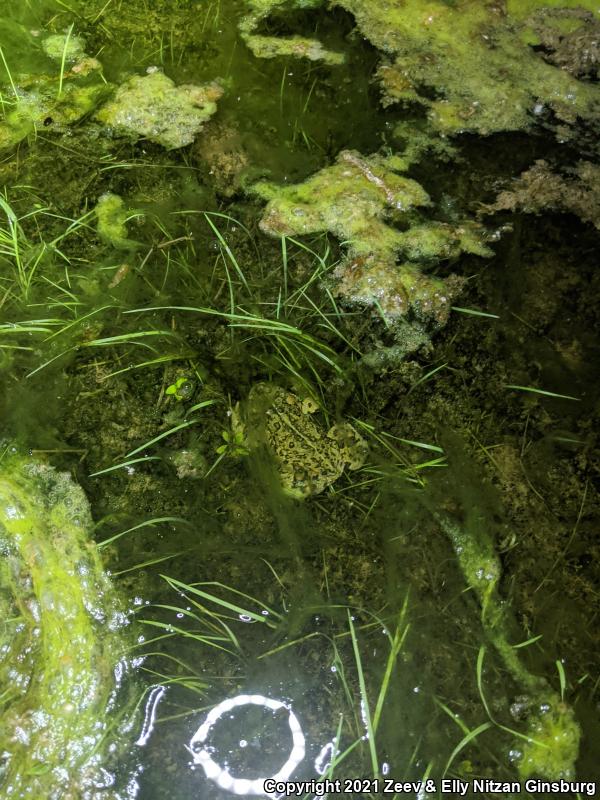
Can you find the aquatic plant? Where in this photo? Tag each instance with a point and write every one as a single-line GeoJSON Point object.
{"type": "Point", "coordinates": [22, 256]}
{"type": "Point", "coordinates": [61, 641]}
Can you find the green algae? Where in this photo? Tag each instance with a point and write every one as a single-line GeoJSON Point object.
{"type": "Point", "coordinates": [471, 55]}
{"type": "Point", "coordinates": [61, 640]}
{"type": "Point", "coordinates": [349, 199]}
{"type": "Point", "coordinates": [112, 216]}
{"type": "Point", "coordinates": [522, 9]}
{"type": "Point", "coordinates": [468, 64]}
{"type": "Point", "coordinates": [550, 746]}
{"type": "Point", "coordinates": [50, 99]}
{"type": "Point", "coordinates": [272, 46]}
{"type": "Point", "coordinates": [296, 46]}
{"type": "Point", "coordinates": [64, 47]}
{"type": "Point", "coordinates": [359, 199]}
{"type": "Point", "coordinates": [39, 107]}
{"type": "Point", "coordinates": [154, 108]}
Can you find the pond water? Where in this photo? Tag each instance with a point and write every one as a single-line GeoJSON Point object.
{"type": "Point", "coordinates": [363, 540]}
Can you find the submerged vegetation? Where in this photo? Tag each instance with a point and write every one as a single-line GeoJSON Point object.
{"type": "Point", "coordinates": [233, 236]}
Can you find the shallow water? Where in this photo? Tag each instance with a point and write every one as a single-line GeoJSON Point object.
{"type": "Point", "coordinates": [141, 350]}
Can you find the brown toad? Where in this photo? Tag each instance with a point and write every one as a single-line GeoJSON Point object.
{"type": "Point", "coordinates": [308, 458]}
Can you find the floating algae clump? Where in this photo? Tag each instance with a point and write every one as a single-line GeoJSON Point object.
{"type": "Point", "coordinates": [297, 46]}
{"type": "Point", "coordinates": [271, 46]}
{"type": "Point", "coordinates": [471, 64]}
{"type": "Point", "coordinates": [37, 103]}
{"type": "Point", "coordinates": [355, 199]}
{"type": "Point", "coordinates": [60, 639]}
{"type": "Point", "coordinates": [472, 56]}
{"type": "Point", "coordinates": [153, 107]}
{"type": "Point", "coordinates": [553, 745]}
{"type": "Point", "coordinates": [61, 46]}
{"type": "Point", "coordinates": [112, 217]}
{"type": "Point", "coordinates": [61, 86]}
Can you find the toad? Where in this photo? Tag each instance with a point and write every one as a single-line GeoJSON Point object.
{"type": "Point", "coordinates": [308, 457]}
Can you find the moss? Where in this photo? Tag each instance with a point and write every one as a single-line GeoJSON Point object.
{"type": "Point", "coordinates": [152, 107]}
{"type": "Point", "coordinates": [355, 199]}
{"type": "Point", "coordinates": [63, 636]}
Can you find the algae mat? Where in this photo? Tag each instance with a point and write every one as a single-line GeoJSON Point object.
{"type": "Point", "coordinates": [62, 639]}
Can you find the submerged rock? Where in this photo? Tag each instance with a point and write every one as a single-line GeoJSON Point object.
{"type": "Point", "coordinates": [152, 107]}
{"type": "Point", "coordinates": [60, 642]}
{"type": "Point", "coordinates": [356, 199]}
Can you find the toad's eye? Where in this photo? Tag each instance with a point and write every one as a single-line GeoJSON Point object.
{"type": "Point", "coordinates": [309, 406]}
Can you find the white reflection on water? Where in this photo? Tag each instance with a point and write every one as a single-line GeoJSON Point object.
{"type": "Point", "coordinates": [154, 698]}
{"type": "Point", "coordinates": [221, 775]}
{"type": "Point", "coordinates": [325, 757]}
